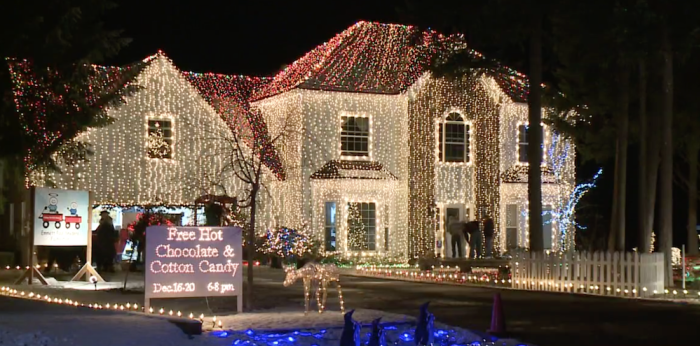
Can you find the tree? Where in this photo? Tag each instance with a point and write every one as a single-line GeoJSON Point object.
{"type": "Point", "coordinates": [51, 49]}
{"type": "Point", "coordinates": [357, 233]}
{"type": "Point", "coordinates": [687, 143]}
{"type": "Point", "coordinates": [248, 151]}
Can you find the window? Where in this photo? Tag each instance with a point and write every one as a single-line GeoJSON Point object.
{"type": "Point", "coordinates": [547, 226]}
{"type": "Point", "coordinates": [362, 223]}
{"type": "Point", "coordinates": [330, 226]}
{"type": "Point", "coordinates": [354, 136]}
{"type": "Point", "coordinates": [524, 140]}
{"type": "Point", "coordinates": [453, 139]}
{"type": "Point", "coordinates": [160, 139]}
{"type": "Point", "coordinates": [511, 226]}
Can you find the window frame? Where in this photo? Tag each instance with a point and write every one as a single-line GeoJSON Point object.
{"type": "Point", "coordinates": [160, 118]}
{"type": "Point", "coordinates": [341, 136]}
{"type": "Point", "coordinates": [519, 144]}
{"type": "Point", "coordinates": [441, 141]}
{"type": "Point", "coordinates": [330, 227]}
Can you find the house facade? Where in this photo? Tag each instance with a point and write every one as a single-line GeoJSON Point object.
{"type": "Point", "coordinates": [371, 153]}
{"type": "Point", "coordinates": [384, 153]}
{"type": "Point", "coordinates": [168, 144]}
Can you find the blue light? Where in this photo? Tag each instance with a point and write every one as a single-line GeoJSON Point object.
{"type": "Point", "coordinates": [397, 334]}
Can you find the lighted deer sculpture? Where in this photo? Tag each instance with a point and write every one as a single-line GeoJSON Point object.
{"type": "Point", "coordinates": [317, 276]}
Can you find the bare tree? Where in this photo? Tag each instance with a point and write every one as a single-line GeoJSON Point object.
{"type": "Point", "coordinates": [246, 153]}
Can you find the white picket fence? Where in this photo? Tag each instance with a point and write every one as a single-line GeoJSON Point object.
{"type": "Point", "coordinates": [606, 273]}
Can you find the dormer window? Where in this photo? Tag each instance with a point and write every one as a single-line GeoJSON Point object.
{"type": "Point", "coordinates": [524, 141]}
{"type": "Point", "coordinates": [453, 139]}
{"type": "Point", "coordinates": [159, 143]}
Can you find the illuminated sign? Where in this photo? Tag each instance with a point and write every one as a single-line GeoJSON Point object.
{"type": "Point", "coordinates": [193, 262]}
{"type": "Point", "coordinates": [61, 217]}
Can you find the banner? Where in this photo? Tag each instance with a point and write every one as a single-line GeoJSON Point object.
{"type": "Point", "coordinates": [61, 217]}
{"type": "Point", "coordinates": [193, 262]}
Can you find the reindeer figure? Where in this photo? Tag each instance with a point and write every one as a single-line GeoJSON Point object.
{"type": "Point", "coordinates": [318, 276]}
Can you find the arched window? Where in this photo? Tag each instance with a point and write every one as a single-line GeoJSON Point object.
{"type": "Point", "coordinates": [453, 139]}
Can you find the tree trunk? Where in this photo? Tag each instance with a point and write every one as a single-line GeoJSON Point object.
{"type": "Point", "coordinates": [692, 242]}
{"type": "Point", "coordinates": [534, 149]}
{"type": "Point", "coordinates": [617, 226]}
{"type": "Point", "coordinates": [643, 243]}
{"type": "Point", "coordinates": [250, 245]}
{"type": "Point", "coordinates": [666, 168]}
{"type": "Point", "coordinates": [652, 173]}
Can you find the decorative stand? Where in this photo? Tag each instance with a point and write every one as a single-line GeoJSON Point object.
{"type": "Point", "coordinates": [32, 270]}
{"type": "Point", "coordinates": [88, 270]}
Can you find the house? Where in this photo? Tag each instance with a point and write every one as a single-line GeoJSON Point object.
{"type": "Point", "coordinates": [167, 145]}
{"type": "Point", "coordinates": [386, 152]}
{"type": "Point", "coordinates": [362, 145]}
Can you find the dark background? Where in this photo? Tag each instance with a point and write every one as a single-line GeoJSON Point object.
{"type": "Point", "coordinates": [259, 38]}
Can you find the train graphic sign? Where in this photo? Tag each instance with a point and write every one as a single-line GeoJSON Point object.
{"type": "Point", "coordinates": [61, 217]}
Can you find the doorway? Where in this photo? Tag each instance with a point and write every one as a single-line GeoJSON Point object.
{"type": "Point", "coordinates": [456, 211]}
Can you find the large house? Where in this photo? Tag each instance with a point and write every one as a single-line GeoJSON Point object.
{"type": "Point", "coordinates": [383, 140]}
{"type": "Point", "coordinates": [370, 152]}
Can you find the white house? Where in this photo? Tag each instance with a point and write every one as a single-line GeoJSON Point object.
{"type": "Point", "coordinates": [377, 153]}
{"type": "Point", "coordinates": [383, 141]}
{"type": "Point", "coordinates": [167, 143]}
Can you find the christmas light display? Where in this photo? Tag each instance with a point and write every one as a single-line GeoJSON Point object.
{"type": "Point", "coordinates": [288, 243]}
{"type": "Point", "coordinates": [367, 87]}
{"type": "Point", "coordinates": [178, 157]}
{"type": "Point", "coordinates": [37, 92]}
{"type": "Point", "coordinates": [382, 76]}
{"type": "Point", "coordinates": [317, 276]}
{"type": "Point", "coordinates": [357, 237]}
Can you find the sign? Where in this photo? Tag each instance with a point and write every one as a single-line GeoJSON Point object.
{"type": "Point", "coordinates": [193, 262]}
{"type": "Point", "coordinates": [61, 217]}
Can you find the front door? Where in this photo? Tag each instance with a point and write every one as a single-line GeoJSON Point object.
{"type": "Point", "coordinates": [451, 211]}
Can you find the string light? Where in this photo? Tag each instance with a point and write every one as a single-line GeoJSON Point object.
{"type": "Point", "coordinates": [10, 292]}
{"type": "Point", "coordinates": [180, 157]}
{"type": "Point", "coordinates": [382, 74]}
{"type": "Point", "coordinates": [318, 276]}
{"type": "Point", "coordinates": [358, 60]}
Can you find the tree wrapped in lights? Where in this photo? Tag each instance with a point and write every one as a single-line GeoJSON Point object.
{"type": "Point", "coordinates": [57, 90]}
{"type": "Point", "coordinates": [250, 152]}
{"type": "Point", "coordinates": [357, 232]}
{"type": "Point", "coordinates": [289, 244]}
{"type": "Point", "coordinates": [157, 146]}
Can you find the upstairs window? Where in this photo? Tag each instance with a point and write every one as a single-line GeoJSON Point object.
{"type": "Point", "coordinates": [453, 139]}
{"type": "Point", "coordinates": [354, 136]}
{"type": "Point", "coordinates": [523, 142]}
{"type": "Point", "coordinates": [160, 139]}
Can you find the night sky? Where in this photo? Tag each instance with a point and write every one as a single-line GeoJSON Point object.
{"type": "Point", "coordinates": [238, 36]}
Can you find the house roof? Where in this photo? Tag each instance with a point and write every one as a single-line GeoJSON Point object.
{"type": "Point", "coordinates": [227, 94]}
{"type": "Point", "coordinates": [377, 58]}
{"type": "Point", "coordinates": [519, 174]}
{"type": "Point", "coordinates": [343, 169]}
